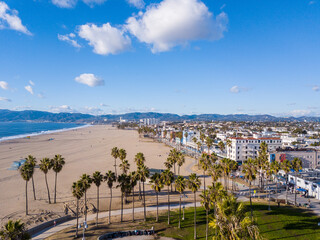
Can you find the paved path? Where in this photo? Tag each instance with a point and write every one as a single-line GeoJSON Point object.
{"type": "Point", "coordinates": [52, 230]}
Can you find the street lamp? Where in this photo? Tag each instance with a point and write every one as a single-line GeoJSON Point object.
{"type": "Point", "coordinates": [84, 226]}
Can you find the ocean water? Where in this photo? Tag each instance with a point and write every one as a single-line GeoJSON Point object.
{"type": "Point", "coordinates": [12, 130]}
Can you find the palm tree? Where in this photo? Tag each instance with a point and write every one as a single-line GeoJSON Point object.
{"type": "Point", "coordinates": [168, 178]}
{"type": "Point", "coordinates": [26, 171]}
{"type": "Point", "coordinates": [226, 168]}
{"type": "Point", "coordinates": [275, 168]}
{"type": "Point", "coordinates": [286, 166]}
{"type": "Point", "coordinates": [296, 166]}
{"type": "Point", "coordinates": [14, 230]}
{"type": "Point", "coordinates": [231, 221]}
{"type": "Point", "coordinates": [115, 155]}
{"type": "Point", "coordinates": [77, 192]}
{"type": "Point", "coordinates": [143, 174]}
{"type": "Point", "coordinates": [209, 143]}
{"type": "Point", "coordinates": [261, 162]}
{"type": "Point", "coordinates": [124, 182]}
{"type": "Point", "coordinates": [86, 181]}
{"type": "Point", "coordinates": [124, 166]}
{"type": "Point", "coordinates": [221, 146]}
{"type": "Point", "coordinates": [139, 159]}
{"type": "Point", "coordinates": [206, 161]}
{"type": "Point", "coordinates": [173, 158]}
{"type": "Point", "coordinates": [45, 165]}
{"type": "Point", "coordinates": [110, 178]}
{"type": "Point", "coordinates": [33, 162]}
{"type": "Point", "coordinates": [180, 184]}
{"type": "Point", "coordinates": [205, 202]}
{"type": "Point", "coordinates": [133, 183]}
{"type": "Point", "coordinates": [97, 179]}
{"type": "Point", "coordinates": [180, 161]}
{"type": "Point", "coordinates": [157, 185]}
{"type": "Point", "coordinates": [122, 154]}
{"type": "Point", "coordinates": [194, 185]}
{"type": "Point", "coordinates": [250, 171]}
{"type": "Point", "coordinates": [57, 165]}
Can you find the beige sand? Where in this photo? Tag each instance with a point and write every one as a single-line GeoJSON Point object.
{"type": "Point", "coordinates": [85, 151]}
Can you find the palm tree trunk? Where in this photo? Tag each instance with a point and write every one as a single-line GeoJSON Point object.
{"type": "Point", "coordinates": [26, 197]}
{"type": "Point", "coordinates": [179, 212]}
{"type": "Point", "coordinates": [287, 194]}
{"type": "Point", "coordinates": [132, 204]}
{"type": "Point", "coordinates": [55, 188]}
{"type": "Point", "coordinates": [295, 191]}
{"type": "Point", "coordinates": [250, 200]}
{"type": "Point", "coordinates": [268, 187]}
{"type": "Point", "coordinates": [207, 213]}
{"type": "Point", "coordinates": [168, 206]}
{"type": "Point", "coordinates": [157, 219]}
{"type": "Point", "coordinates": [174, 168]}
{"type": "Point", "coordinates": [195, 217]}
{"type": "Point", "coordinates": [77, 218]}
{"type": "Point", "coordinates": [110, 206]}
{"type": "Point", "coordinates": [34, 191]}
{"type": "Point", "coordinates": [45, 177]}
{"type": "Point", "coordinates": [144, 203]}
{"type": "Point", "coordinates": [115, 166]}
{"type": "Point", "coordinates": [121, 207]}
{"type": "Point", "coordinates": [140, 190]}
{"type": "Point", "coordinates": [85, 205]}
{"type": "Point", "coordinates": [204, 180]}
{"type": "Point", "coordinates": [97, 218]}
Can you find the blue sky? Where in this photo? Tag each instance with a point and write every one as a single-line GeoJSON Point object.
{"type": "Point", "coordinates": [178, 56]}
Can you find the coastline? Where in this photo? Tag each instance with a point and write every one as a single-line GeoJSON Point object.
{"type": "Point", "coordinates": [7, 138]}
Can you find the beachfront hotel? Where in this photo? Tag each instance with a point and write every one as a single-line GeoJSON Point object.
{"type": "Point", "coordinates": [243, 148]}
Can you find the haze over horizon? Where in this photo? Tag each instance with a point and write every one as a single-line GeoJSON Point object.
{"type": "Point", "coordinates": [118, 56]}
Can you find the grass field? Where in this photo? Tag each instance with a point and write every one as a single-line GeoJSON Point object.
{"type": "Point", "coordinates": [286, 222]}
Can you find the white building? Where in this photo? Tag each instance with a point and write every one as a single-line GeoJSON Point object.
{"type": "Point", "coordinates": [243, 148]}
{"type": "Point", "coordinates": [149, 121]}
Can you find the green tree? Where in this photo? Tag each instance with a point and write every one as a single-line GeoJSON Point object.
{"type": "Point", "coordinates": [206, 162]}
{"type": "Point", "coordinates": [180, 161]}
{"type": "Point", "coordinates": [77, 192]}
{"type": "Point", "coordinates": [180, 184]}
{"type": "Point", "coordinates": [133, 183]}
{"type": "Point", "coordinates": [139, 159]}
{"type": "Point", "coordinates": [143, 173]}
{"type": "Point", "coordinates": [57, 164]}
{"type": "Point", "coordinates": [97, 179]}
{"type": "Point", "coordinates": [122, 154]}
{"type": "Point", "coordinates": [250, 171]}
{"type": "Point", "coordinates": [124, 182]}
{"type": "Point", "coordinates": [86, 181]}
{"type": "Point", "coordinates": [221, 146]}
{"type": "Point", "coordinates": [209, 143]}
{"type": "Point", "coordinates": [26, 171]}
{"type": "Point", "coordinates": [110, 178]}
{"type": "Point", "coordinates": [168, 178]}
{"type": "Point", "coordinates": [124, 166]}
{"type": "Point", "coordinates": [286, 166]}
{"type": "Point", "coordinates": [45, 165]}
{"type": "Point", "coordinates": [14, 230]}
{"type": "Point", "coordinates": [115, 155]}
{"type": "Point", "coordinates": [157, 185]}
{"type": "Point", "coordinates": [194, 185]}
{"type": "Point", "coordinates": [275, 168]}
{"type": "Point", "coordinates": [296, 166]}
{"type": "Point", "coordinates": [33, 162]}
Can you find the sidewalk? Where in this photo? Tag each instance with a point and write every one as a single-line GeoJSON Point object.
{"type": "Point", "coordinates": [52, 230]}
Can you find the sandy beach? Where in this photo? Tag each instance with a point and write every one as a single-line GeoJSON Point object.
{"type": "Point", "coordinates": [85, 150]}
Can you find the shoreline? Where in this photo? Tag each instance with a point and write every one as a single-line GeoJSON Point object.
{"type": "Point", "coordinates": [8, 138]}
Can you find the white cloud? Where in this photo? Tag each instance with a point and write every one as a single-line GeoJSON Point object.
{"type": "Point", "coordinates": [29, 89]}
{"type": "Point", "coordinates": [316, 88]}
{"type": "Point", "coordinates": [89, 79]}
{"type": "Point", "coordinates": [65, 3]}
{"type": "Point", "coordinates": [4, 85]}
{"type": "Point", "coordinates": [300, 113]}
{"type": "Point", "coordinates": [104, 105]}
{"type": "Point", "coordinates": [62, 108]}
{"type": "Point", "coordinates": [5, 99]}
{"type": "Point", "coordinates": [9, 19]}
{"type": "Point", "coordinates": [176, 22]}
{"type": "Point", "coordinates": [31, 83]}
{"type": "Point", "coordinates": [235, 89]}
{"type": "Point", "coordinates": [41, 95]}
{"type": "Point", "coordinates": [69, 39]}
{"type": "Point", "coordinates": [73, 3]}
{"type": "Point", "coordinates": [105, 39]}
{"type": "Point", "coordinates": [137, 3]}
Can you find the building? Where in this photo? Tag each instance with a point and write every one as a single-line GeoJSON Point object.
{"type": "Point", "coordinates": [310, 157]}
{"type": "Point", "coordinates": [243, 148]}
{"type": "Point", "coordinates": [149, 121]}
{"type": "Point", "coordinates": [308, 182]}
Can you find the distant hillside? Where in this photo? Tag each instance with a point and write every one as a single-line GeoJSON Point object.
{"type": "Point", "coordinates": [40, 116]}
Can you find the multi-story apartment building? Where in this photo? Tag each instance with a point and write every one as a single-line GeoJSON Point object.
{"type": "Point", "coordinates": [310, 157]}
{"type": "Point", "coordinates": [243, 148]}
{"type": "Point", "coordinates": [149, 121]}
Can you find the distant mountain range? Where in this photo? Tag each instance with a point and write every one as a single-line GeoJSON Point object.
{"type": "Point", "coordinates": [40, 116]}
